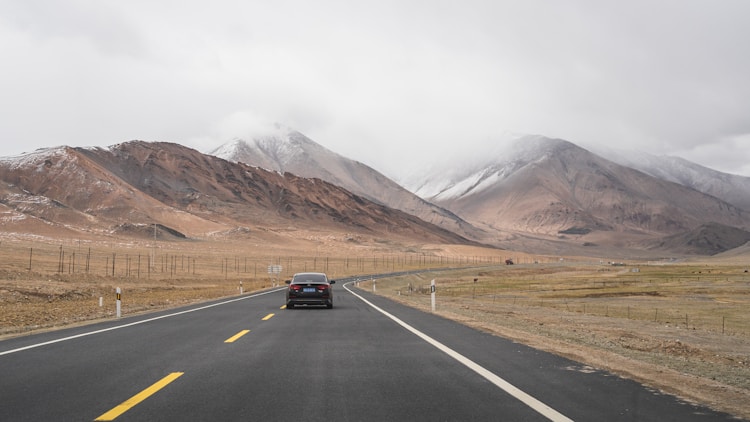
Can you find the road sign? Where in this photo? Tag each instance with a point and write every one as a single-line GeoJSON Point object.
{"type": "Point", "coordinates": [274, 269]}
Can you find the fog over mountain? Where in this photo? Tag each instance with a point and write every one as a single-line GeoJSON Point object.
{"type": "Point", "coordinates": [533, 185]}
{"type": "Point", "coordinates": [383, 82]}
{"type": "Point", "coordinates": [508, 151]}
{"type": "Point", "coordinates": [521, 192]}
{"type": "Point", "coordinates": [522, 189]}
{"type": "Point", "coordinates": [728, 187]}
{"type": "Point", "coordinates": [283, 149]}
{"type": "Point", "coordinates": [126, 189]}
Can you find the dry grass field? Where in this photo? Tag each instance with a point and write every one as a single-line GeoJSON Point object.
{"type": "Point", "coordinates": [680, 327]}
{"type": "Point", "coordinates": [43, 285]}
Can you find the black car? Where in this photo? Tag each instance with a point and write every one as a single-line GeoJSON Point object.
{"type": "Point", "coordinates": [309, 289]}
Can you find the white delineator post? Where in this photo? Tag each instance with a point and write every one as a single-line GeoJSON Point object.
{"type": "Point", "coordinates": [432, 294]}
{"type": "Point", "coordinates": [118, 302]}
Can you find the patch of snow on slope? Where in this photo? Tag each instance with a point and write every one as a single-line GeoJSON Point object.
{"type": "Point", "coordinates": [273, 149]}
{"type": "Point", "coordinates": [228, 149]}
{"type": "Point", "coordinates": [28, 159]}
{"type": "Point", "coordinates": [471, 185]}
{"type": "Point", "coordinates": [488, 182]}
{"type": "Point", "coordinates": [12, 217]}
{"type": "Point", "coordinates": [481, 168]}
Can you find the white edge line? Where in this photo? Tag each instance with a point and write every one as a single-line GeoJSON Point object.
{"type": "Point", "coordinates": [90, 333]}
{"type": "Point", "coordinates": [509, 388]}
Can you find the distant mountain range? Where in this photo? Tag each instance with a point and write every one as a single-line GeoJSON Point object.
{"type": "Point", "coordinates": [509, 151]}
{"type": "Point", "coordinates": [527, 190]}
{"type": "Point", "coordinates": [532, 185]}
{"type": "Point", "coordinates": [286, 150]}
{"type": "Point", "coordinates": [127, 189]}
{"type": "Point", "coordinates": [731, 188]}
{"type": "Point", "coordinates": [521, 192]}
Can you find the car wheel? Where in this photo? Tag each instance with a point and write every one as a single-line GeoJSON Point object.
{"type": "Point", "coordinates": [290, 306]}
{"type": "Point", "coordinates": [329, 306]}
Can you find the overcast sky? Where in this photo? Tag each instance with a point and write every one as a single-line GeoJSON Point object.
{"type": "Point", "coordinates": [387, 83]}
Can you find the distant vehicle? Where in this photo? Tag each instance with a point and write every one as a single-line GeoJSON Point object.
{"type": "Point", "coordinates": [508, 262]}
{"type": "Point", "coordinates": [309, 289]}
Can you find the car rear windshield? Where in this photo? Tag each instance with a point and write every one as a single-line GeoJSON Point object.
{"type": "Point", "coordinates": [310, 278]}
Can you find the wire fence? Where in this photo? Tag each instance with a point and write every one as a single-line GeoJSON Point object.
{"type": "Point", "coordinates": [714, 303]}
{"type": "Point", "coordinates": [198, 261]}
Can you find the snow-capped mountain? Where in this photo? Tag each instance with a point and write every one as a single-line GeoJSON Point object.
{"type": "Point", "coordinates": [522, 192]}
{"type": "Point", "coordinates": [502, 156]}
{"type": "Point", "coordinates": [282, 150]}
{"type": "Point", "coordinates": [126, 189]}
{"type": "Point", "coordinates": [477, 171]}
{"type": "Point", "coordinates": [551, 187]}
{"type": "Point", "coordinates": [287, 150]}
{"type": "Point", "coordinates": [728, 187]}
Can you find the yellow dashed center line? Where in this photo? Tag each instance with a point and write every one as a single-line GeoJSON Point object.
{"type": "Point", "coordinates": [143, 395]}
{"type": "Point", "coordinates": [236, 336]}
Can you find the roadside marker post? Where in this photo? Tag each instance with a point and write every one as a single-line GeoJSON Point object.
{"type": "Point", "coordinates": [432, 294]}
{"type": "Point", "coordinates": [240, 286]}
{"type": "Point", "coordinates": [118, 302]}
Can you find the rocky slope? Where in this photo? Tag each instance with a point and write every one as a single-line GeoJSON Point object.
{"type": "Point", "coordinates": [101, 190]}
{"type": "Point", "coordinates": [286, 150]}
{"type": "Point", "coordinates": [551, 188]}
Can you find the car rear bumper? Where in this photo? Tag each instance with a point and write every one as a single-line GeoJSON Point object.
{"type": "Point", "coordinates": [309, 301]}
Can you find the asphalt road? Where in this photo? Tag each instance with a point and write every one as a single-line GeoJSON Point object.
{"type": "Point", "coordinates": [367, 359]}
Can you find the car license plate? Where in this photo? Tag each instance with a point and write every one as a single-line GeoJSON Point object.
{"type": "Point", "coordinates": [309, 290]}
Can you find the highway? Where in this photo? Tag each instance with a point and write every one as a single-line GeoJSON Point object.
{"type": "Point", "coordinates": [249, 359]}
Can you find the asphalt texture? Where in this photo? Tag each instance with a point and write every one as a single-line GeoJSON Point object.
{"type": "Point", "coordinates": [349, 363]}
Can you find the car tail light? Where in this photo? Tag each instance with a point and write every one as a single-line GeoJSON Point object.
{"type": "Point", "coordinates": [295, 287]}
{"type": "Point", "coordinates": [322, 287]}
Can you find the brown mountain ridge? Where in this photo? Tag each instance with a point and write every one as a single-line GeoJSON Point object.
{"type": "Point", "coordinates": [564, 192]}
{"type": "Point", "coordinates": [559, 199]}
{"type": "Point", "coordinates": [101, 191]}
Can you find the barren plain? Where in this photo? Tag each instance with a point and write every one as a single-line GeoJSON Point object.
{"type": "Point", "coordinates": [680, 327]}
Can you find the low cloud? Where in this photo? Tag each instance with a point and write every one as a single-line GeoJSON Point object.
{"type": "Point", "coordinates": [383, 82]}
